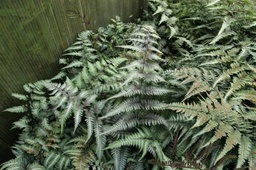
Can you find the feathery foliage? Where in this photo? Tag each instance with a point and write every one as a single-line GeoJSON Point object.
{"type": "Point", "coordinates": [176, 90]}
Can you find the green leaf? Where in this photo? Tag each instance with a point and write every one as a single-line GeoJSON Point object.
{"type": "Point", "coordinates": [213, 2]}
{"type": "Point", "coordinates": [16, 109]}
{"type": "Point", "coordinates": [244, 150]}
{"type": "Point", "coordinates": [164, 18]}
{"type": "Point", "coordinates": [51, 160]}
{"type": "Point", "coordinates": [173, 31]}
{"type": "Point", "coordinates": [77, 118]}
{"type": "Point", "coordinates": [74, 64]}
{"type": "Point", "coordinates": [19, 96]}
{"type": "Point", "coordinates": [233, 138]}
{"type": "Point", "coordinates": [160, 9]}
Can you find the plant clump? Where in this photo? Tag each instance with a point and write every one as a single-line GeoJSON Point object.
{"type": "Point", "coordinates": [175, 90]}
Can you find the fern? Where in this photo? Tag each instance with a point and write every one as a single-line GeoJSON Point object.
{"type": "Point", "coordinates": [142, 140]}
{"type": "Point", "coordinates": [120, 157]}
{"type": "Point", "coordinates": [214, 113]}
{"type": "Point", "coordinates": [176, 89]}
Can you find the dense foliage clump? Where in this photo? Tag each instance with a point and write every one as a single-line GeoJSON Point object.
{"type": "Point", "coordinates": [176, 90]}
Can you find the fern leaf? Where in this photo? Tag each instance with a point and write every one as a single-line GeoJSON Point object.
{"type": "Point", "coordinates": [221, 131]}
{"type": "Point", "coordinates": [160, 9]}
{"type": "Point", "coordinates": [100, 139]}
{"type": "Point", "coordinates": [80, 54]}
{"type": "Point", "coordinates": [27, 88]}
{"type": "Point", "coordinates": [62, 100]}
{"type": "Point", "coordinates": [133, 120]}
{"type": "Point", "coordinates": [142, 140]}
{"type": "Point", "coordinates": [74, 64]}
{"type": "Point", "coordinates": [252, 158]}
{"type": "Point", "coordinates": [164, 18]}
{"type": "Point", "coordinates": [90, 119]}
{"type": "Point", "coordinates": [16, 109]}
{"type": "Point", "coordinates": [19, 96]}
{"type": "Point", "coordinates": [235, 68]}
{"type": "Point", "coordinates": [78, 46]}
{"type": "Point", "coordinates": [65, 116]}
{"type": "Point", "coordinates": [120, 157]}
{"type": "Point", "coordinates": [130, 47]}
{"type": "Point", "coordinates": [213, 2]}
{"type": "Point", "coordinates": [233, 138]}
{"type": "Point", "coordinates": [182, 40]}
{"type": "Point", "coordinates": [244, 150]}
{"type": "Point", "coordinates": [92, 69]}
{"type": "Point", "coordinates": [224, 59]}
{"type": "Point", "coordinates": [252, 68]}
{"type": "Point", "coordinates": [197, 88]}
{"type": "Point", "coordinates": [208, 128]}
{"type": "Point", "coordinates": [77, 118]}
{"type": "Point", "coordinates": [190, 110]}
{"type": "Point", "coordinates": [221, 36]}
{"type": "Point", "coordinates": [51, 160]}
{"type": "Point", "coordinates": [126, 106]}
{"type": "Point", "coordinates": [63, 162]}
{"type": "Point", "coordinates": [173, 31]}
{"type": "Point", "coordinates": [60, 75]}
{"type": "Point", "coordinates": [22, 123]}
{"type": "Point", "coordinates": [235, 85]}
{"type": "Point", "coordinates": [36, 166]}
{"type": "Point", "coordinates": [14, 164]}
{"type": "Point", "coordinates": [246, 95]}
{"type": "Point", "coordinates": [46, 125]}
{"type": "Point", "coordinates": [226, 23]}
{"type": "Point", "coordinates": [155, 57]}
{"type": "Point", "coordinates": [117, 61]}
{"type": "Point", "coordinates": [201, 119]}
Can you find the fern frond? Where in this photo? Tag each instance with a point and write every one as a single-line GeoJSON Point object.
{"type": "Point", "coordinates": [51, 160]}
{"type": "Point", "coordinates": [208, 128]}
{"type": "Point", "coordinates": [252, 158]}
{"type": "Point", "coordinates": [79, 54]}
{"type": "Point", "coordinates": [233, 138]}
{"type": "Point", "coordinates": [244, 151]}
{"type": "Point", "coordinates": [15, 164]}
{"type": "Point", "coordinates": [235, 85]}
{"type": "Point", "coordinates": [134, 104]}
{"type": "Point", "coordinates": [77, 117]}
{"type": "Point", "coordinates": [23, 123]}
{"type": "Point", "coordinates": [249, 95]}
{"type": "Point", "coordinates": [74, 64]}
{"type": "Point", "coordinates": [134, 90]}
{"type": "Point", "coordinates": [235, 69]}
{"type": "Point", "coordinates": [133, 120]}
{"type": "Point", "coordinates": [198, 87]}
{"type": "Point", "coordinates": [19, 96]}
{"type": "Point", "coordinates": [100, 139]}
{"type": "Point", "coordinates": [120, 157]}
{"type": "Point", "coordinates": [211, 3]}
{"type": "Point", "coordinates": [17, 109]}
{"type": "Point", "coordinates": [36, 166]}
{"type": "Point", "coordinates": [90, 119]}
{"type": "Point", "coordinates": [142, 139]}
{"type": "Point", "coordinates": [66, 115]}
{"type": "Point", "coordinates": [222, 33]}
{"type": "Point", "coordinates": [126, 106]}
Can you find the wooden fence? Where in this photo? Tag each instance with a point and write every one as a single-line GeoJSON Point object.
{"type": "Point", "coordinates": [33, 34]}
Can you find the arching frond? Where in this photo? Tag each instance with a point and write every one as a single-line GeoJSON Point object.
{"type": "Point", "coordinates": [141, 139]}
{"type": "Point", "coordinates": [120, 157]}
